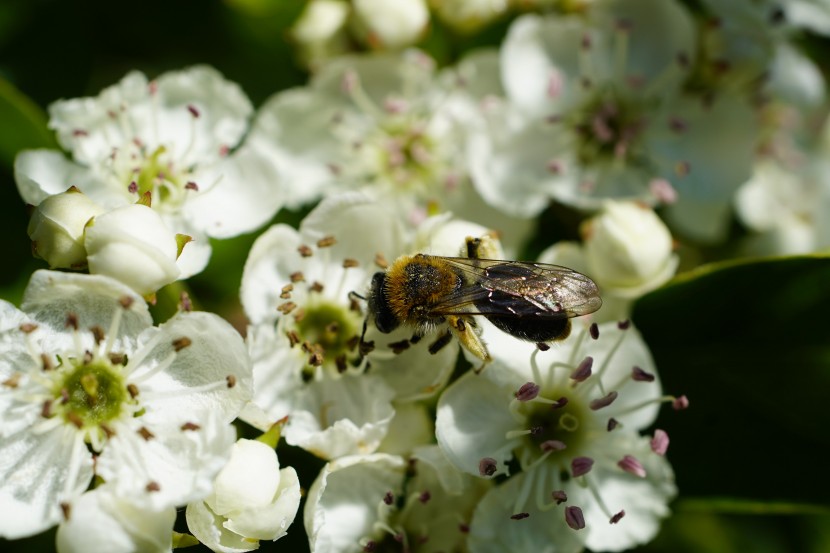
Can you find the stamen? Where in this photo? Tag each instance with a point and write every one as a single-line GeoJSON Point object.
{"type": "Point", "coordinates": [527, 392]}
{"type": "Point", "coordinates": [680, 403]}
{"type": "Point", "coordinates": [604, 401]}
{"type": "Point", "coordinates": [583, 370]}
{"type": "Point", "coordinates": [487, 466]}
{"type": "Point", "coordinates": [519, 516]}
{"type": "Point", "coordinates": [639, 375]}
{"type": "Point", "coordinates": [632, 466]}
{"type": "Point", "coordinates": [559, 496]}
{"type": "Point", "coordinates": [581, 466]}
{"type": "Point", "coordinates": [574, 517]}
{"type": "Point", "coordinates": [617, 517]}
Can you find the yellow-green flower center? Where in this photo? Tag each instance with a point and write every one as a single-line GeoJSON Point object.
{"type": "Point", "coordinates": [91, 393]}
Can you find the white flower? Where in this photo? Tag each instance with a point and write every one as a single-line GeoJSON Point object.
{"type": "Point", "coordinates": [85, 376]}
{"type": "Point", "coordinates": [361, 503]}
{"type": "Point", "coordinates": [305, 329]}
{"type": "Point", "coordinates": [132, 244]}
{"type": "Point", "coordinates": [570, 419]}
{"type": "Point", "coordinates": [57, 228]}
{"type": "Point", "coordinates": [390, 24]}
{"type": "Point", "coordinates": [102, 521]}
{"type": "Point", "coordinates": [595, 109]}
{"type": "Point", "coordinates": [385, 123]}
{"type": "Point", "coordinates": [177, 139]}
{"type": "Point", "coordinates": [253, 499]}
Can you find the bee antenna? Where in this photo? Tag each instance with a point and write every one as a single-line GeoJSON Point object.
{"type": "Point", "coordinates": [353, 295]}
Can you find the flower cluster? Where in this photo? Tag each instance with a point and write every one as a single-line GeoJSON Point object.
{"type": "Point", "coordinates": [455, 394]}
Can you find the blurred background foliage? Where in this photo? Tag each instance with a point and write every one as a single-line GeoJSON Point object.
{"type": "Point", "coordinates": [747, 341]}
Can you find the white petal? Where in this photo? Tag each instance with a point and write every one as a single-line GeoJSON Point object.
{"type": "Point", "coordinates": [51, 295]}
{"type": "Point", "coordinates": [412, 426]}
{"type": "Point", "coordinates": [241, 194]}
{"type": "Point", "coordinates": [179, 463]}
{"type": "Point", "coordinates": [208, 528]}
{"type": "Point", "coordinates": [344, 416]}
{"type": "Point", "coordinates": [34, 469]}
{"type": "Point", "coordinates": [342, 504]}
{"type": "Point", "coordinates": [795, 78]}
{"type": "Point", "coordinates": [472, 421]}
{"type": "Point", "coordinates": [493, 531]}
{"type": "Point", "coordinates": [102, 522]}
{"type": "Point", "coordinates": [42, 173]}
{"type": "Point", "coordinates": [216, 351]}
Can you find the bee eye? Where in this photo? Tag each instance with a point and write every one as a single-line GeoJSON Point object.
{"type": "Point", "coordinates": [385, 321]}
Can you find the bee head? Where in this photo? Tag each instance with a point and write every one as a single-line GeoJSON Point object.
{"type": "Point", "coordinates": [385, 320]}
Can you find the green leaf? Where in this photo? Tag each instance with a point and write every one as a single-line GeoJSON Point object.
{"type": "Point", "coordinates": [24, 124]}
{"type": "Point", "coordinates": [748, 342]}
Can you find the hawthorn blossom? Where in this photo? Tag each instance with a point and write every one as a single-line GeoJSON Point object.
{"type": "Point", "coordinates": [90, 389]}
{"type": "Point", "coordinates": [178, 138]}
{"type": "Point", "coordinates": [386, 124]}
{"type": "Point", "coordinates": [300, 291]}
{"type": "Point", "coordinates": [594, 107]}
{"type": "Point", "coordinates": [569, 420]}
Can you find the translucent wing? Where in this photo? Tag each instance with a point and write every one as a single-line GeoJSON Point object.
{"type": "Point", "coordinates": [515, 288]}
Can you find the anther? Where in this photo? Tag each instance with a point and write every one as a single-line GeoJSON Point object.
{"type": "Point", "coordinates": [340, 363]}
{"type": "Point", "coordinates": [617, 517]}
{"type": "Point", "coordinates": [180, 343]}
{"type": "Point", "coordinates": [108, 430]}
{"type": "Point", "coordinates": [388, 498]}
{"type": "Point", "coordinates": [145, 433]}
{"type": "Point", "coordinates": [13, 381]}
{"type": "Point", "coordinates": [660, 442]}
{"type": "Point", "coordinates": [639, 375]}
{"type": "Point", "coordinates": [46, 409]}
{"type": "Point", "coordinates": [528, 391]}
{"type": "Point", "coordinates": [581, 466]}
{"type": "Point", "coordinates": [559, 403]}
{"type": "Point", "coordinates": [125, 302]}
{"type": "Point", "coordinates": [370, 547]}
{"type": "Point", "coordinates": [152, 486]}
{"type": "Point", "coordinates": [604, 401]}
{"type": "Point", "coordinates": [191, 186]}
{"type": "Point", "coordinates": [399, 347]}
{"type": "Point", "coordinates": [287, 307]}
{"type": "Point", "coordinates": [117, 358]}
{"type": "Point", "coordinates": [66, 510]}
{"type": "Point", "coordinates": [185, 305]}
{"type": "Point", "coordinates": [46, 362]}
{"type": "Point", "coordinates": [189, 426]}
{"type": "Point", "coordinates": [612, 424]}
{"type": "Point", "coordinates": [583, 370]}
{"type": "Point", "coordinates": [424, 497]}
{"type": "Point", "coordinates": [541, 346]}
{"type": "Point", "coordinates": [132, 188]}
{"type": "Point", "coordinates": [593, 330]}
{"type": "Point", "coordinates": [299, 315]}
{"type": "Point", "coordinates": [624, 324]}
{"type": "Point", "coordinates": [132, 389]}
{"type": "Point", "coordinates": [552, 445]}
{"type": "Point", "coordinates": [574, 518]}
{"type": "Point", "coordinates": [316, 286]}
{"type": "Point", "coordinates": [326, 241]}
{"type": "Point", "coordinates": [381, 261]}
{"type": "Point", "coordinates": [97, 333]}
{"type": "Point", "coordinates": [75, 419]}
{"type": "Point", "coordinates": [305, 251]}
{"type": "Point", "coordinates": [71, 321]}
{"type": "Point", "coordinates": [230, 380]}
{"type": "Point", "coordinates": [350, 263]}
{"type": "Point", "coordinates": [87, 358]}
{"type": "Point", "coordinates": [680, 403]}
{"type": "Point", "coordinates": [487, 466]}
{"type": "Point", "coordinates": [463, 528]}
{"type": "Point", "coordinates": [559, 496]}
{"type": "Point", "coordinates": [27, 328]}
{"type": "Point", "coordinates": [632, 466]}
{"type": "Point", "coordinates": [193, 111]}
{"type": "Point", "coordinates": [519, 516]}
{"type": "Point", "coordinates": [663, 191]}
{"type": "Point", "coordinates": [297, 277]}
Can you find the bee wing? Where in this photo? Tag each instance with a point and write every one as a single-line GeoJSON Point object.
{"type": "Point", "coordinates": [497, 287]}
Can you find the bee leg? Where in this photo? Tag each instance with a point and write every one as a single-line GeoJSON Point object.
{"type": "Point", "coordinates": [416, 338]}
{"type": "Point", "coordinates": [466, 330]}
{"type": "Point", "coordinates": [364, 347]}
{"type": "Point", "coordinates": [483, 247]}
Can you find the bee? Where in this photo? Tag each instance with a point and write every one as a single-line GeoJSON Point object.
{"type": "Point", "coordinates": [530, 301]}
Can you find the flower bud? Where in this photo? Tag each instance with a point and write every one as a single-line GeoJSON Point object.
{"type": "Point", "coordinates": [57, 228]}
{"type": "Point", "coordinates": [390, 24]}
{"type": "Point", "coordinates": [320, 31]}
{"type": "Point", "coordinates": [628, 249]}
{"type": "Point", "coordinates": [253, 499]}
{"type": "Point", "coordinates": [468, 16]}
{"type": "Point", "coordinates": [132, 244]}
